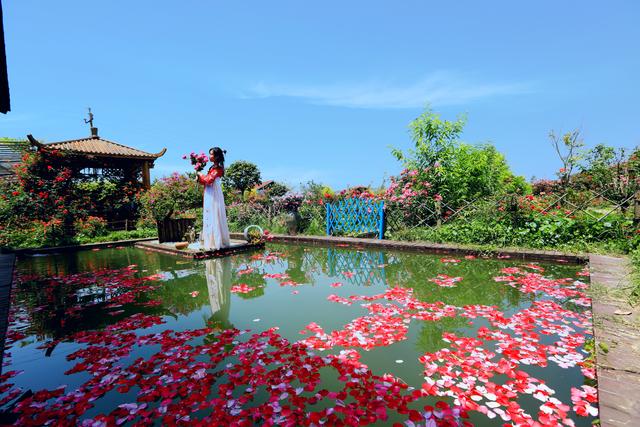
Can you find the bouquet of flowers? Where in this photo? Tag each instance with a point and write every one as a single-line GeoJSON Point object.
{"type": "Point", "coordinates": [199, 161]}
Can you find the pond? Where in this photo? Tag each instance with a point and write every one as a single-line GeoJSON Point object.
{"type": "Point", "coordinates": [295, 335]}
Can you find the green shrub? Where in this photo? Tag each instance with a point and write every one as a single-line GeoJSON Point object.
{"type": "Point", "coordinates": [36, 233]}
{"type": "Point", "coordinates": [582, 234]}
{"type": "Point", "coordinates": [312, 217]}
{"type": "Point", "coordinates": [111, 199]}
{"type": "Point", "coordinates": [635, 276]}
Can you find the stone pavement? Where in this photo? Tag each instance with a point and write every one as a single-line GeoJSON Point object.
{"type": "Point", "coordinates": [617, 334]}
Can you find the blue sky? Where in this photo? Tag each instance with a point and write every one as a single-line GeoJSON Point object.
{"type": "Point", "coordinates": [321, 91]}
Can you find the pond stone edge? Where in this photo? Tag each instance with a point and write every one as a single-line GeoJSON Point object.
{"type": "Point", "coordinates": [428, 247]}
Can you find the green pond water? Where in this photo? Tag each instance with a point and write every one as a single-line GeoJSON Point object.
{"type": "Point", "coordinates": [194, 294]}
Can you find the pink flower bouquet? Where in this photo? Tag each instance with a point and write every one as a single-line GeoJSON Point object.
{"type": "Point", "coordinates": [199, 161]}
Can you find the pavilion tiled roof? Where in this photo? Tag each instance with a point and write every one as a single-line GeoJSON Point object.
{"type": "Point", "coordinates": [97, 146]}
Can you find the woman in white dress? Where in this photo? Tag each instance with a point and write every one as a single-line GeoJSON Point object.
{"type": "Point", "coordinates": [215, 231]}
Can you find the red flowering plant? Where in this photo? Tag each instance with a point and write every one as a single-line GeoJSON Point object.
{"type": "Point", "coordinates": [359, 192]}
{"type": "Point", "coordinates": [90, 226]}
{"type": "Point", "coordinates": [199, 161]}
{"type": "Point", "coordinates": [545, 186]}
{"type": "Point", "coordinates": [42, 194]}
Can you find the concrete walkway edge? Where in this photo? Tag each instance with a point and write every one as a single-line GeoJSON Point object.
{"type": "Point", "coordinates": [617, 339]}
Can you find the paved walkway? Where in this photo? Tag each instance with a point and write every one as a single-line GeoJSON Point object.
{"type": "Point", "coordinates": [6, 277]}
{"type": "Point", "coordinates": [617, 335]}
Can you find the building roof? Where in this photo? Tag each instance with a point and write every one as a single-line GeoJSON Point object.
{"type": "Point", "coordinates": [97, 146]}
{"type": "Point", "coordinates": [11, 154]}
{"type": "Point", "coordinates": [263, 185]}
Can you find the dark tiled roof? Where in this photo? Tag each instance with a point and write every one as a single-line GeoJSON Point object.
{"type": "Point", "coordinates": [10, 155]}
{"type": "Point", "coordinates": [100, 147]}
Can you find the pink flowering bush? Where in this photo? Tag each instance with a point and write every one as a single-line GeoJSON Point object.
{"type": "Point", "coordinates": [171, 196]}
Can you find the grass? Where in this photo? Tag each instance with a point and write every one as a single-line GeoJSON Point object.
{"type": "Point", "coordinates": [635, 277]}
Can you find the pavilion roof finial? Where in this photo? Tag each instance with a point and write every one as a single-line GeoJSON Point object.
{"type": "Point", "coordinates": [94, 130]}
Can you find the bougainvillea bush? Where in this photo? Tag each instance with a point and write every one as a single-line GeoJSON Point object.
{"type": "Point", "coordinates": [171, 196]}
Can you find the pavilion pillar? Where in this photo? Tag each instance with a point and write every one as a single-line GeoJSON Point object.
{"type": "Point", "coordinates": [146, 179]}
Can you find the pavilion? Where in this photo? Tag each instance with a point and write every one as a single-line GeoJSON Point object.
{"type": "Point", "coordinates": [96, 157]}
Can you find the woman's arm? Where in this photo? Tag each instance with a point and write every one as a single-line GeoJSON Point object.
{"type": "Point", "coordinates": [209, 177]}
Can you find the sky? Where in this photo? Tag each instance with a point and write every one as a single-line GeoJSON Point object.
{"type": "Point", "coordinates": [322, 90]}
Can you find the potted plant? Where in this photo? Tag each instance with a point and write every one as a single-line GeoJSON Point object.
{"type": "Point", "coordinates": [167, 201]}
{"type": "Point", "coordinates": [254, 234]}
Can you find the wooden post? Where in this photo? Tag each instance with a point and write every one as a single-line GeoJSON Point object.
{"type": "Point", "coordinates": [381, 221]}
{"type": "Point", "coordinates": [146, 179]}
{"type": "Point", "coordinates": [438, 213]}
{"type": "Point", "coordinates": [636, 210]}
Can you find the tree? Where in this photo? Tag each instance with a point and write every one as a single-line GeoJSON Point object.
{"type": "Point", "coordinates": [434, 140]}
{"type": "Point", "coordinates": [440, 166]}
{"type": "Point", "coordinates": [569, 150]}
{"type": "Point", "coordinates": [241, 175]}
{"type": "Point", "coordinates": [277, 189]}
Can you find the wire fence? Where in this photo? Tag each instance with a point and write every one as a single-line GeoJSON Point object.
{"type": "Point", "coordinates": [618, 217]}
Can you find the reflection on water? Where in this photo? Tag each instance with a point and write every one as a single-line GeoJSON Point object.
{"type": "Point", "coordinates": [218, 273]}
{"type": "Point", "coordinates": [194, 294]}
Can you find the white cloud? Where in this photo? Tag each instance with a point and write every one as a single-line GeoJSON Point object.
{"type": "Point", "coordinates": [438, 89]}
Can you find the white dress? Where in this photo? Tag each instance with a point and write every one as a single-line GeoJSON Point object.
{"type": "Point", "coordinates": [218, 274]}
{"type": "Point", "coordinates": [215, 231]}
